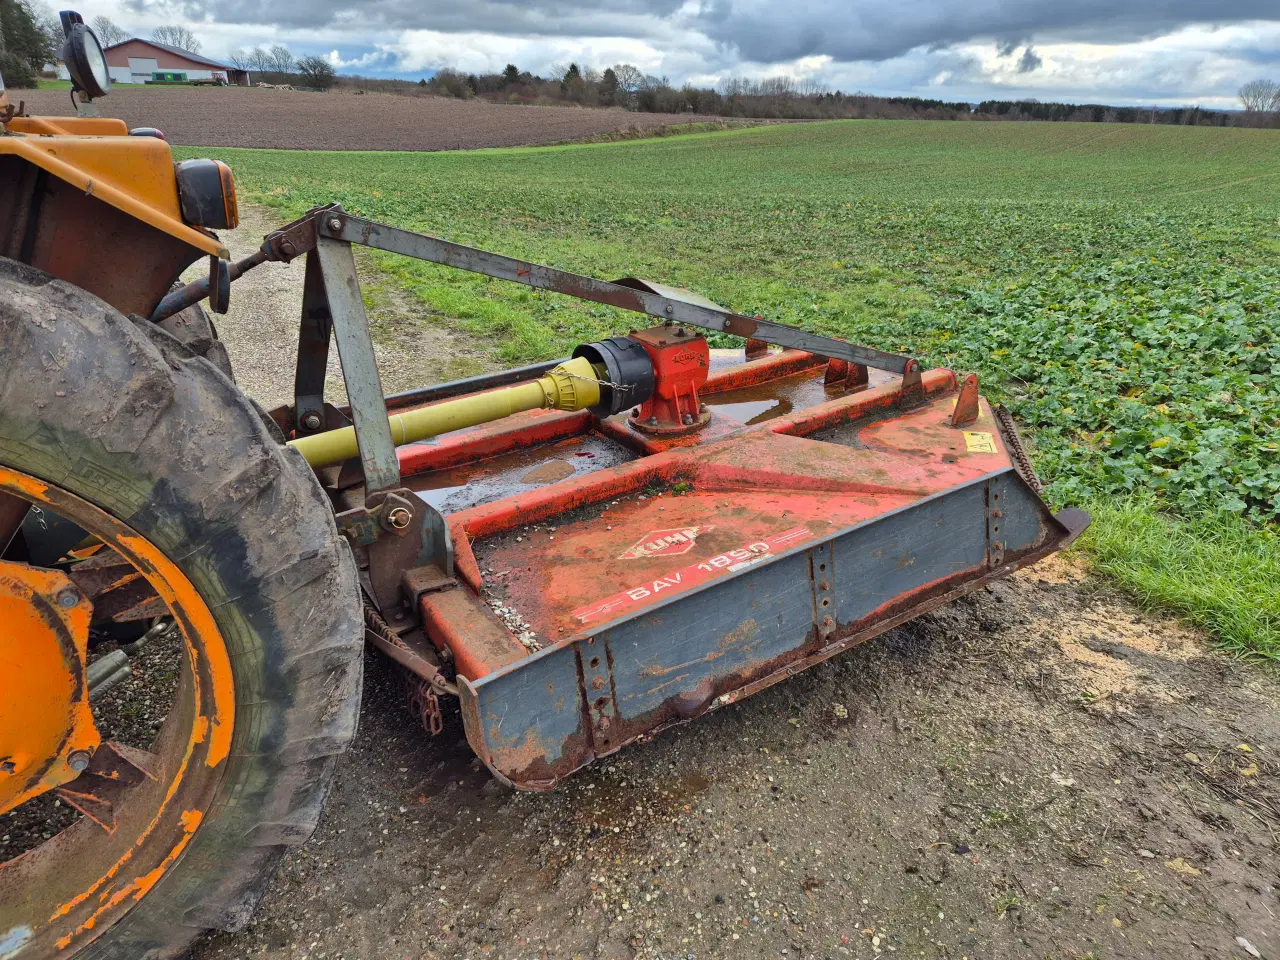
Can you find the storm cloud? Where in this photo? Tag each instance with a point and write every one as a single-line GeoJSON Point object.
{"type": "Point", "coordinates": [764, 29]}
{"type": "Point", "coordinates": [502, 17]}
{"type": "Point", "coordinates": [760, 30]}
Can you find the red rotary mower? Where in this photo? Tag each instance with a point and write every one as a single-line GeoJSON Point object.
{"type": "Point", "coordinates": [673, 529]}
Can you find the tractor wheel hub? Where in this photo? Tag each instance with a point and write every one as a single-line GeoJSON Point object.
{"type": "Point", "coordinates": [47, 733]}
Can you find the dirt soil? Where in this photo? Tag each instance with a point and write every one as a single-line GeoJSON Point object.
{"type": "Point", "coordinates": [1038, 770]}
{"type": "Point", "coordinates": [344, 120]}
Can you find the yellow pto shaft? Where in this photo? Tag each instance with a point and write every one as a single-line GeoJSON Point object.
{"type": "Point", "coordinates": [573, 385]}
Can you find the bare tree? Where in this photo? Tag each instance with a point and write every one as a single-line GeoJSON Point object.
{"type": "Point", "coordinates": [176, 35]}
{"type": "Point", "coordinates": [260, 60]}
{"type": "Point", "coordinates": [47, 22]}
{"type": "Point", "coordinates": [240, 59]}
{"type": "Point", "coordinates": [316, 72]}
{"type": "Point", "coordinates": [107, 32]}
{"type": "Point", "coordinates": [1260, 96]}
{"type": "Point", "coordinates": [809, 87]}
{"type": "Point", "coordinates": [281, 59]}
{"type": "Point", "coordinates": [781, 86]}
{"type": "Point", "coordinates": [629, 77]}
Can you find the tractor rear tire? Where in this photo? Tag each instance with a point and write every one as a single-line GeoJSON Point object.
{"type": "Point", "coordinates": [118, 413]}
{"type": "Point", "coordinates": [194, 329]}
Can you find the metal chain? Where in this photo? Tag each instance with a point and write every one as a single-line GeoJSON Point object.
{"type": "Point", "coordinates": [1022, 462]}
{"type": "Point", "coordinates": [373, 621]}
{"type": "Point", "coordinates": [623, 387]}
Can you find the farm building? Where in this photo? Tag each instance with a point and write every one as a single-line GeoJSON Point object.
{"type": "Point", "coordinates": [138, 60]}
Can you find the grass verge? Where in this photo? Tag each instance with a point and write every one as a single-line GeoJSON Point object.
{"type": "Point", "coordinates": [1216, 570]}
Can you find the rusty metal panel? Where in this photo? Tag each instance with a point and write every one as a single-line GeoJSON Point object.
{"type": "Point", "coordinates": [1018, 520]}
{"type": "Point", "coordinates": [527, 722]}
{"type": "Point", "coordinates": [359, 365]}
{"type": "Point", "coordinates": [882, 563]}
{"type": "Point", "coordinates": [680, 309]}
{"type": "Point", "coordinates": [676, 658]}
{"type": "Point", "coordinates": [670, 664]}
{"type": "Point", "coordinates": [695, 575]}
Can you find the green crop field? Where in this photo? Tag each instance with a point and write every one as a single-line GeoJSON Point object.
{"type": "Point", "coordinates": [1116, 286]}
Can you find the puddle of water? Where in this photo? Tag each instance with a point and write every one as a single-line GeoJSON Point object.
{"type": "Point", "coordinates": [485, 481]}
{"type": "Point", "coordinates": [751, 411]}
{"type": "Point", "coordinates": [777, 398]}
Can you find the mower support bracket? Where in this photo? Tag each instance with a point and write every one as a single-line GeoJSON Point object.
{"type": "Point", "coordinates": [398, 529]}
{"type": "Point", "coordinates": [359, 365]}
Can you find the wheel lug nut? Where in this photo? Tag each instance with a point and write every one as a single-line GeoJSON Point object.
{"type": "Point", "coordinates": [68, 598]}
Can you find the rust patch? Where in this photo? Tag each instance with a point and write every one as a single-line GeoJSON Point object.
{"type": "Point", "coordinates": [549, 472]}
{"type": "Point", "coordinates": [746, 631]}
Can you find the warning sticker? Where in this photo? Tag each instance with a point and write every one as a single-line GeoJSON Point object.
{"type": "Point", "coordinates": [664, 543]}
{"type": "Point", "coordinates": [979, 442]}
{"type": "Point", "coordinates": [731, 561]}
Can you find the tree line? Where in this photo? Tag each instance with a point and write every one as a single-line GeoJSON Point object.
{"type": "Point", "coordinates": [783, 97]}
{"type": "Point", "coordinates": [277, 64]}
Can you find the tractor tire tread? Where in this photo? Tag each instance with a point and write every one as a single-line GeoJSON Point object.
{"type": "Point", "coordinates": [130, 418]}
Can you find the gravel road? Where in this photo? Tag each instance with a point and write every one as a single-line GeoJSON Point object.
{"type": "Point", "coordinates": [1037, 770]}
{"type": "Point", "coordinates": [343, 120]}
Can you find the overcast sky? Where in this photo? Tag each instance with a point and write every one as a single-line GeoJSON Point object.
{"type": "Point", "coordinates": [1168, 52]}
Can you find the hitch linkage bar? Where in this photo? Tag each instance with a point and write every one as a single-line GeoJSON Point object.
{"type": "Point", "coordinates": [331, 221]}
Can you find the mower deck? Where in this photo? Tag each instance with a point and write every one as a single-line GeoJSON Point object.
{"type": "Point", "coordinates": [611, 582]}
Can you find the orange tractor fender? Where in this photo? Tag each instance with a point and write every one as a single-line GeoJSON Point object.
{"type": "Point", "coordinates": [108, 193]}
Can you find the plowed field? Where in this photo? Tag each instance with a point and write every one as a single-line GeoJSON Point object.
{"type": "Point", "coordinates": [289, 120]}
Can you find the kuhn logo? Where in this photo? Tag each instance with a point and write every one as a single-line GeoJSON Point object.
{"type": "Point", "coordinates": [665, 543]}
